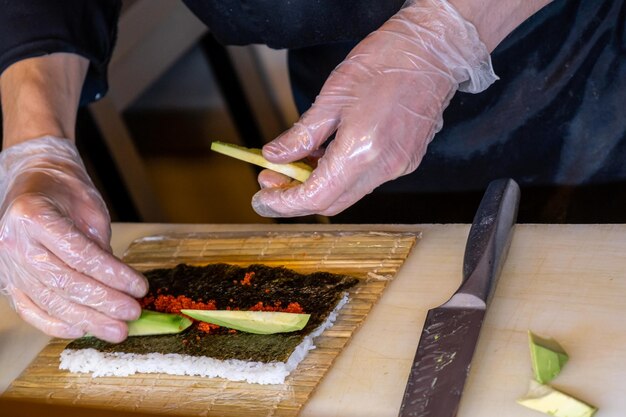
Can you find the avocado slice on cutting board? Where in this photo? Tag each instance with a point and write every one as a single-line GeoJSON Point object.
{"type": "Point", "coordinates": [550, 401]}
{"type": "Point", "coordinates": [547, 357]}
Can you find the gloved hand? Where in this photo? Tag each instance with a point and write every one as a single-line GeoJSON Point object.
{"type": "Point", "coordinates": [55, 258]}
{"type": "Point", "coordinates": [385, 103]}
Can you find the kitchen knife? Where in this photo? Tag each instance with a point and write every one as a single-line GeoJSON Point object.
{"type": "Point", "coordinates": [450, 332]}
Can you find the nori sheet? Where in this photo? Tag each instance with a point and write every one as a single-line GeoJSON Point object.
{"type": "Point", "coordinates": [318, 294]}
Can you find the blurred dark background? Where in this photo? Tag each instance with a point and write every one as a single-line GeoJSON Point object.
{"type": "Point", "coordinates": [174, 90]}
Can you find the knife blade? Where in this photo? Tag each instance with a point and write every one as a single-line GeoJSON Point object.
{"type": "Point", "coordinates": [450, 333]}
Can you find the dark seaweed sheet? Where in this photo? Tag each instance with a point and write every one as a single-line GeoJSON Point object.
{"type": "Point", "coordinates": [318, 294]}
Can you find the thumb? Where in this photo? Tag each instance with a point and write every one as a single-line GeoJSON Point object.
{"type": "Point", "coordinates": [305, 136]}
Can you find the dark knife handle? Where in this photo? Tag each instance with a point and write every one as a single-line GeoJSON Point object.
{"type": "Point", "coordinates": [489, 239]}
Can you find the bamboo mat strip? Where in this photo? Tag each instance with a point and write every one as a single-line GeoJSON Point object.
{"type": "Point", "coordinates": [372, 256]}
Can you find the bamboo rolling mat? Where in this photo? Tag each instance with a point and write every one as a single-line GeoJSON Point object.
{"type": "Point", "coordinates": [373, 257]}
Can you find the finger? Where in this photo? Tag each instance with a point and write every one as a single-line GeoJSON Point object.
{"type": "Point", "coordinates": [298, 200]}
{"type": "Point", "coordinates": [336, 174]}
{"type": "Point", "coordinates": [61, 237]}
{"type": "Point", "coordinates": [312, 197]}
{"type": "Point", "coordinates": [270, 203]}
{"type": "Point", "coordinates": [343, 202]}
{"type": "Point", "coordinates": [77, 316]}
{"type": "Point", "coordinates": [81, 289]}
{"type": "Point", "coordinates": [306, 135]}
{"type": "Point", "coordinates": [272, 179]}
{"type": "Point", "coordinates": [38, 318]}
{"type": "Point", "coordinates": [314, 156]}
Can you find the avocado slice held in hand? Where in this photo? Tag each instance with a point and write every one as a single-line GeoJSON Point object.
{"type": "Point", "coordinates": [296, 170]}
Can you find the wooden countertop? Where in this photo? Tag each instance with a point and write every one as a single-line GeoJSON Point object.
{"type": "Point", "coordinates": [561, 281]}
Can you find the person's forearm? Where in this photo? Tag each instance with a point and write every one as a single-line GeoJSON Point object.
{"type": "Point", "coordinates": [495, 19]}
{"type": "Point", "coordinates": [40, 97]}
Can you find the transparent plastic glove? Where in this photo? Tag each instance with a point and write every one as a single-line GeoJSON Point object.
{"type": "Point", "coordinates": [385, 103]}
{"type": "Point", "coordinates": [56, 264]}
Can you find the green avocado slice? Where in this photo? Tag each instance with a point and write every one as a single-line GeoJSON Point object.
{"type": "Point", "coordinates": [296, 170]}
{"type": "Point", "coordinates": [548, 400]}
{"type": "Point", "coordinates": [155, 323]}
{"type": "Point", "coordinates": [258, 322]}
{"type": "Point", "coordinates": [547, 357]}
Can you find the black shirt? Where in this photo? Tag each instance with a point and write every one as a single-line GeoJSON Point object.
{"type": "Point", "coordinates": [30, 28]}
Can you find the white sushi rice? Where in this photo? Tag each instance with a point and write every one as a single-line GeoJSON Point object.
{"type": "Point", "coordinates": [124, 364]}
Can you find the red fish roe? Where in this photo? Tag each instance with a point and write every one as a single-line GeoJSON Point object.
{"type": "Point", "coordinates": [146, 301]}
{"type": "Point", "coordinates": [291, 308]}
{"type": "Point", "coordinates": [247, 278]}
{"type": "Point", "coordinates": [170, 304]}
{"type": "Point", "coordinates": [294, 308]}
{"type": "Point", "coordinates": [207, 327]}
{"type": "Point", "coordinates": [173, 304]}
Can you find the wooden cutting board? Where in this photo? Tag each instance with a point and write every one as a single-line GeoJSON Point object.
{"type": "Point", "coordinates": [562, 281]}
{"type": "Point", "coordinates": [374, 257]}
